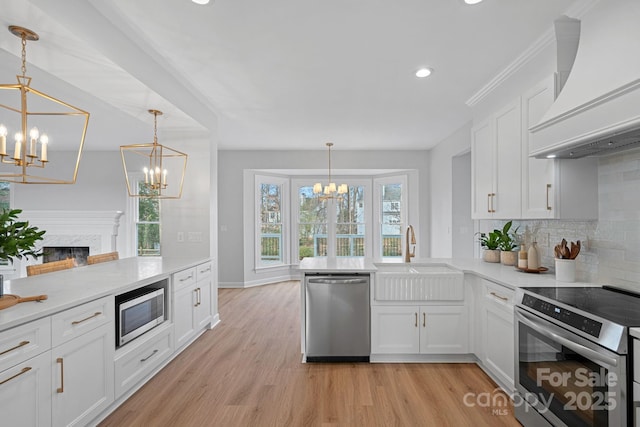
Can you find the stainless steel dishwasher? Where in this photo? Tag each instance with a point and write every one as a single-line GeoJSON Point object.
{"type": "Point", "coordinates": [337, 318]}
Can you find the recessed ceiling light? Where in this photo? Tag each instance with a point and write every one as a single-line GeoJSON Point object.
{"type": "Point", "coordinates": [424, 72]}
{"type": "Point", "coordinates": [472, 1]}
{"type": "Point", "coordinates": [200, 1]}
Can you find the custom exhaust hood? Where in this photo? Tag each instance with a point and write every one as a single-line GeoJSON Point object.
{"type": "Point", "coordinates": [598, 109]}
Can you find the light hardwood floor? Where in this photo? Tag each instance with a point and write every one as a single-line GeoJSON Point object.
{"type": "Point", "coordinates": [247, 372]}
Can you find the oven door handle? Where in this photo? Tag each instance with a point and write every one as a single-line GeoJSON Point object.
{"type": "Point", "coordinates": [534, 324]}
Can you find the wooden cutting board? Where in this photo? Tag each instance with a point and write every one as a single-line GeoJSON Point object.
{"type": "Point", "coordinates": [9, 300]}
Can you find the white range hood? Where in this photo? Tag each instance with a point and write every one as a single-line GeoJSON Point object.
{"type": "Point", "coordinates": [598, 109]}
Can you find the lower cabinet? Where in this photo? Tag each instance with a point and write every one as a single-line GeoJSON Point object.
{"type": "Point", "coordinates": [428, 329]}
{"type": "Point", "coordinates": [498, 333]}
{"type": "Point", "coordinates": [25, 392]}
{"type": "Point", "coordinates": [83, 377]}
{"type": "Point", "coordinates": [191, 302]}
{"type": "Point", "coordinates": [141, 357]}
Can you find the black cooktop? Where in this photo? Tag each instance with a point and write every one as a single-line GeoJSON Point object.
{"type": "Point", "coordinates": [616, 305]}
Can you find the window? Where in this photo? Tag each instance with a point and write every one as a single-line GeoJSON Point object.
{"type": "Point", "coordinates": [391, 215]}
{"type": "Point", "coordinates": [271, 247]}
{"type": "Point", "coordinates": [350, 233]}
{"type": "Point", "coordinates": [5, 203]}
{"type": "Point", "coordinates": [147, 224]}
{"type": "Point", "coordinates": [5, 195]}
{"type": "Point", "coordinates": [312, 223]}
{"type": "Point", "coordinates": [333, 227]}
{"type": "Point", "coordinates": [270, 224]}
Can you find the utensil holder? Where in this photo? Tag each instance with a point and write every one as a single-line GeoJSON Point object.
{"type": "Point", "coordinates": [565, 270]}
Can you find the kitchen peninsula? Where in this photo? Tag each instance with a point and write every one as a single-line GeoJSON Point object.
{"type": "Point", "coordinates": [59, 359]}
{"type": "Point", "coordinates": [438, 310]}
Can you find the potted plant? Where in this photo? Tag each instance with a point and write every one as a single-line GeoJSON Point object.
{"type": "Point", "coordinates": [17, 239]}
{"type": "Point", "coordinates": [490, 243]}
{"type": "Point", "coordinates": [508, 241]}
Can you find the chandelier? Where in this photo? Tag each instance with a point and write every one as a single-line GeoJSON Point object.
{"type": "Point", "coordinates": [33, 119]}
{"type": "Point", "coordinates": [330, 191]}
{"type": "Point", "coordinates": [153, 170]}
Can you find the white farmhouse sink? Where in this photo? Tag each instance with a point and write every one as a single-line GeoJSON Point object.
{"type": "Point", "coordinates": [418, 282]}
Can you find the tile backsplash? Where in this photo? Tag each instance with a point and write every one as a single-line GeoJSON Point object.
{"type": "Point", "coordinates": [611, 245]}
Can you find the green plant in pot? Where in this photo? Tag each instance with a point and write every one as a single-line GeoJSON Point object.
{"type": "Point", "coordinates": [17, 239]}
{"type": "Point", "coordinates": [508, 241]}
{"type": "Point", "coordinates": [490, 243]}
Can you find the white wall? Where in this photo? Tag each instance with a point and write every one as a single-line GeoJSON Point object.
{"type": "Point", "coordinates": [190, 215]}
{"type": "Point", "coordinates": [100, 185]}
{"type": "Point", "coordinates": [234, 269]}
{"type": "Point", "coordinates": [441, 190]}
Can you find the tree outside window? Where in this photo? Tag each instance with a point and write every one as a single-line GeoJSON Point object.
{"type": "Point", "coordinates": [148, 224]}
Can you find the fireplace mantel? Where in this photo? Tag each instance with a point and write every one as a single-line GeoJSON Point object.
{"type": "Point", "coordinates": [96, 229]}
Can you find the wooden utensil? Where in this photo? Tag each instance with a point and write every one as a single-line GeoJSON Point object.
{"type": "Point", "coordinates": [575, 250]}
{"type": "Point", "coordinates": [9, 300]}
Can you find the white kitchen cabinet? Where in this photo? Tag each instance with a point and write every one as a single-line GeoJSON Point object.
{"type": "Point", "coordinates": [82, 364]}
{"type": "Point", "coordinates": [25, 392]}
{"type": "Point", "coordinates": [419, 329]}
{"type": "Point", "coordinates": [553, 188]}
{"type": "Point", "coordinates": [498, 334]}
{"type": "Point", "coordinates": [192, 302]}
{"type": "Point", "coordinates": [495, 163]}
{"type": "Point", "coordinates": [141, 357]}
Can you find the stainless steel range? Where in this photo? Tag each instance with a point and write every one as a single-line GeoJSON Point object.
{"type": "Point", "coordinates": [573, 358]}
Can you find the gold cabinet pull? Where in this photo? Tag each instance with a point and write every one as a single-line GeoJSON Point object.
{"type": "Point", "coordinates": [424, 320]}
{"type": "Point", "coordinates": [96, 314]}
{"type": "Point", "coordinates": [489, 202]}
{"type": "Point", "coordinates": [61, 362]}
{"type": "Point", "coordinates": [9, 350]}
{"type": "Point", "coordinates": [149, 356]}
{"type": "Point", "coordinates": [22, 371]}
{"type": "Point", "coordinates": [548, 205]}
{"type": "Point", "coordinates": [493, 198]}
{"type": "Point", "coordinates": [206, 269]}
{"type": "Point", "coordinates": [416, 325]}
{"type": "Point", "coordinates": [499, 296]}
{"type": "Point", "coordinates": [198, 297]}
{"type": "Point", "coordinates": [186, 278]}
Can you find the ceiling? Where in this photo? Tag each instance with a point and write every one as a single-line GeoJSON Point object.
{"type": "Point", "coordinates": [284, 74]}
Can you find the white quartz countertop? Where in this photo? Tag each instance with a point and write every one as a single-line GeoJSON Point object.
{"type": "Point", "coordinates": [505, 275]}
{"type": "Point", "coordinates": [69, 288]}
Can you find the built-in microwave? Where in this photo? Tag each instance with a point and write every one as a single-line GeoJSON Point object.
{"type": "Point", "coordinates": [137, 312]}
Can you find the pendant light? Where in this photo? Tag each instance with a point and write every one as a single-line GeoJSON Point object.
{"type": "Point", "coordinates": [153, 170]}
{"type": "Point", "coordinates": [34, 121]}
{"type": "Point", "coordinates": [330, 191]}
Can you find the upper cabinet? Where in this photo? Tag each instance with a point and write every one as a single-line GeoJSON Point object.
{"type": "Point", "coordinates": [495, 162]}
{"type": "Point", "coordinates": [508, 184]}
{"type": "Point", "coordinates": [553, 188]}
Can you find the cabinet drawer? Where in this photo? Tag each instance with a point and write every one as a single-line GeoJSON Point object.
{"type": "Point", "coordinates": [499, 295]}
{"type": "Point", "coordinates": [184, 278]}
{"type": "Point", "coordinates": [139, 362]}
{"type": "Point", "coordinates": [203, 271]}
{"type": "Point", "coordinates": [79, 320]}
{"type": "Point", "coordinates": [24, 341]}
